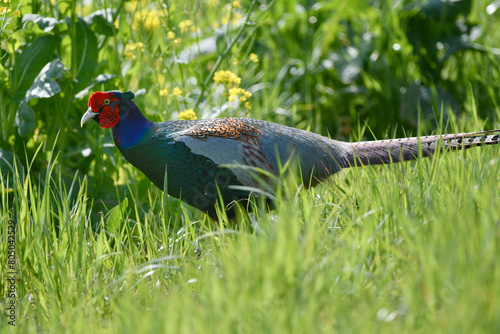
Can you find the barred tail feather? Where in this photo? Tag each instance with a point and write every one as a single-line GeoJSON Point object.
{"type": "Point", "coordinates": [405, 149]}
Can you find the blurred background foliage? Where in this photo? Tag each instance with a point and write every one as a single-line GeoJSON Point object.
{"type": "Point", "coordinates": [333, 67]}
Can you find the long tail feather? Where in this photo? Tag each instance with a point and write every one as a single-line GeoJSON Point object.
{"type": "Point", "coordinates": [404, 149]}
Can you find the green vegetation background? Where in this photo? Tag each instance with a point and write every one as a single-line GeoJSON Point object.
{"type": "Point", "coordinates": [410, 247]}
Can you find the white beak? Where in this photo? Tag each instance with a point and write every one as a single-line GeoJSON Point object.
{"type": "Point", "coordinates": [88, 116]}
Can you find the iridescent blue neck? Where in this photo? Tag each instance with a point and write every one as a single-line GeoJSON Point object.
{"type": "Point", "coordinates": [131, 128]}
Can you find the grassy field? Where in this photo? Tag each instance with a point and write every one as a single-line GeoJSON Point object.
{"type": "Point", "coordinates": [403, 248]}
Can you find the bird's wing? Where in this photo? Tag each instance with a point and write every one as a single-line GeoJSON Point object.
{"type": "Point", "coordinates": [231, 143]}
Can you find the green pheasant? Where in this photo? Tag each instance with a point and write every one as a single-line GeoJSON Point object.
{"type": "Point", "coordinates": [204, 158]}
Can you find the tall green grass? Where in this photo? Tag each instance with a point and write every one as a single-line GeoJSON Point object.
{"type": "Point", "coordinates": [403, 248]}
{"type": "Point", "coordinates": [410, 247]}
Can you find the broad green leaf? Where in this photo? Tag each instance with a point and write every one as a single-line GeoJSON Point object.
{"type": "Point", "coordinates": [100, 22]}
{"type": "Point", "coordinates": [116, 218]}
{"type": "Point", "coordinates": [446, 10]}
{"type": "Point", "coordinates": [86, 54]}
{"type": "Point", "coordinates": [46, 24]}
{"type": "Point", "coordinates": [492, 7]}
{"type": "Point", "coordinates": [4, 77]}
{"type": "Point", "coordinates": [45, 85]}
{"type": "Point", "coordinates": [25, 119]}
{"type": "Point", "coordinates": [31, 61]}
{"type": "Point", "coordinates": [101, 78]}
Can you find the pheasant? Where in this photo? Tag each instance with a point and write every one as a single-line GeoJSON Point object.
{"type": "Point", "coordinates": [203, 161]}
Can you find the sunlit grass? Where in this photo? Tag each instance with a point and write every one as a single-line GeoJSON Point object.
{"type": "Point", "coordinates": [408, 247]}
{"type": "Point", "coordinates": [403, 248]}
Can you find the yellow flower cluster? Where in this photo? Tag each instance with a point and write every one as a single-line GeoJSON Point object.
{"type": "Point", "coordinates": [130, 48]}
{"type": "Point", "coordinates": [175, 41]}
{"type": "Point", "coordinates": [135, 46]}
{"type": "Point", "coordinates": [4, 10]}
{"type": "Point", "coordinates": [184, 25]}
{"type": "Point", "coordinates": [253, 57]}
{"type": "Point", "coordinates": [236, 17]}
{"type": "Point", "coordinates": [149, 19]}
{"type": "Point", "coordinates": [238, 91]}
{"type": "Point", "coordinates": [230, 14]}
{"type": "Point", "coordinates": [164, 91]}
{"type": "Point", "coordinates": [226, 78]}
{"type": "Point", "coordinates": [177, 91]}
{"type": "Point", "coordinates": [232, 82]}
{"type": "Point", "coordinates": [130, 6]}
{"type": "Point", "coordinates": [187, 115]}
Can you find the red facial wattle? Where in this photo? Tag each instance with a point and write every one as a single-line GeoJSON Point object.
{"type": "Point", "coordinates": [109, 117]}
{"type": "Point", "coordinates": [109, 114]}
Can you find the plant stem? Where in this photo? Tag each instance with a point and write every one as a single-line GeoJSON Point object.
{"type": "Point", "coordinates": [224, 54]}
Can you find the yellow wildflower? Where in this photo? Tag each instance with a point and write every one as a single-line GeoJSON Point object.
{"type": "Point", "coordinates": [4, 10]}
{"type": "Point", "coordinates": [6, 1]}
{"type": "Point", "coordinates": [130, 6]}
{"type": "Point", "coordinates": [233, 92]}
{"type": "Point", "coordinates": [176, 42]}
{"type": "Point", "coordinates": [149, 19]}
{"type": "Point", "coordinates": [187, 115]}
{"type": "Point", "coordinates": [134, 46]}
{"type": "Point", "coordinates": [164, 92]}
{"type": "Point", "coordinates": [170, 35]}
{"type": "Point", "coordinates": [236, 18]}
{"type": "Point", "coordinates": [130, 47]}
{"type": "Point", "coordinates": [226, 77]}
{"type": "Point", "coordinates": [17, 13]}
{"type": "Point", "coordinates": [236, 4]}
{"type": "Point", "coordinates": [184, 25]}
{"type": "Point", "coordinates": [248, 105]}
{"type": "Point", "coordinates": [238, 91]}
{"type": "Point", "coordinates": [236, 62]}
{"type": "Point", "coordinates": [152, 21]}
{"type": "Point", "coordinates": [253, 57]}
{"type": "Point", "coordinates": [215, 25]}
{"type": "Point", "coordinates": [177, 91]}
{"type": "Point", "coordinates": [129, 54]}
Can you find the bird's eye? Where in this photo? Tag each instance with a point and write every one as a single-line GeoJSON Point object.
{"type": "Point", "coordinates": [106, 101]}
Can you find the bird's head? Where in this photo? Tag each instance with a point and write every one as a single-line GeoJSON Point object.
{"type": "Point", "coordinates": [105, 108]}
